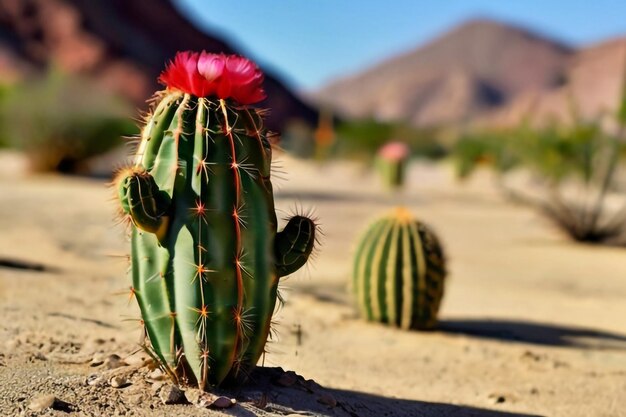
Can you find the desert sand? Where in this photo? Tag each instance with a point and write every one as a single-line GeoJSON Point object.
{"type": "Point", "coordinates": [531, 323]}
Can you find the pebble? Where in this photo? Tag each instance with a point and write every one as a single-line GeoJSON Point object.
{"type": "Point", "coordinates": [213, 401]}
{"type": "Point", "coordinates": [94, 379]}
{"type": "Point", "coordinates": [114, 361]}
{"type": "Point", "coordinates": [119, 382]}
{"type": "Point", "coordinates": [157, 375]}
{"type": "Point", "coordinates": [42, 402]}
{"type": "Point", "coordinates": [193, 395]}
{"type": "Point", "coordinates": [171, 394]}
{"type": "Point", "coordinates": [97, 360]}
{"type": "Point", "coordinates": [287, 379]}
{"type": "Point", "coordinates": [327, 399]}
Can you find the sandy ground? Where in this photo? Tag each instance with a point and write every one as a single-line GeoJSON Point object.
{"type": "Point", "coordinates": [532, 324]}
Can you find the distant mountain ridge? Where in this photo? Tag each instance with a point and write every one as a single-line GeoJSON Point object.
{"type": "Point", "coordinates": [121, 44]}
{"type": "Point", "coordinates": [479, 68]}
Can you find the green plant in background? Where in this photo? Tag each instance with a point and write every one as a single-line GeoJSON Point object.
{"type": "Point", "coordinates": [361, 139]}
{"type": "Point", "coordinates": [487, 148]}
{"type": "Point", "coordinates": [59, 121]}
{"type": "Point", "coordinates": [391, 161]}
{"type": "Point", "coordinates": [559, 157]}
{"type": "Point", "coordinates": [399, 271]}
{"type": "Point", "coordinates": [206, 255]}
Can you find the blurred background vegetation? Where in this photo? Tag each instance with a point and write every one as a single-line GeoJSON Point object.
{"type": "Point", "coordinates": [552, 133]}
{"type": "Point", "coordinates": [60, 121]}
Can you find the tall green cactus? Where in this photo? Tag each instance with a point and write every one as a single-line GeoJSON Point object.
{"type": "Point", "coordinates": [399, 272]}
{"type": "Point", "coordinates": [206, 257]}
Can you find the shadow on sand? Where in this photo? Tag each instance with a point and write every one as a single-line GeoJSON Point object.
{"type": "Point", "coordinates": [535, 333]}
{"type": "Point", "coordinates": [284, 393]}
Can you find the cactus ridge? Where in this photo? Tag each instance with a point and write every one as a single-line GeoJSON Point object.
{"type": "Point", "coordinates": [398, 273]}
{"type": "Point", "coordinates": [206, 257]}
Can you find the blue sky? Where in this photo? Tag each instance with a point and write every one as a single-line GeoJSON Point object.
{"type": "Point", "coordinates": [310, 42]}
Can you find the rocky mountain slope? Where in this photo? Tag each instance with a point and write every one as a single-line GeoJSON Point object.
{"type": "Point", "coordinates": [123, 44]}
{"type": "Point", "coordinates": [476, 67]}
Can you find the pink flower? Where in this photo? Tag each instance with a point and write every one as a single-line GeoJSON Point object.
{"type": "Point", "coordinates": [395, 151]}
{"type": "Point", "coordinates": [205, 74]}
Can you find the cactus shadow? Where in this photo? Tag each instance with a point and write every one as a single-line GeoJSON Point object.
{"type": "Point", "coordinates": [542, 334]}
{"type": "Point", "coordinates": [286, 393]}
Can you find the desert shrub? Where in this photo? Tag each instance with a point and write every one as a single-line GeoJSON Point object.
{"type": "Point", "coordinates": [492, 149]}
{"type": "Point", "coordinates": [60, 120]}
{"type": "Point", "coordinates": [580, 156]}
{"type": "Point", "coordinates": [362, 138]}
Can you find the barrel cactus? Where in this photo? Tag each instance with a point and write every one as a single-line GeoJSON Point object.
{"type": "Point", "coordinates": [391, 161]}
{"type": "Point", "coordinates": [399, 272]}
{"type": "Point", "coordinates": [206, 257]}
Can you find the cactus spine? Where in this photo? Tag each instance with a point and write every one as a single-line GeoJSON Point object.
{"type": "Point", "coordinates": [399, 272]}
{"type": "Point", "coordinates": [206, 258]}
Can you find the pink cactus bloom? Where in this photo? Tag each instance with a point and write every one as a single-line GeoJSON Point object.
{"type": "Point", "coordinates": [204, 74]}
{"type": "Point", "coordinates": [394, 151]}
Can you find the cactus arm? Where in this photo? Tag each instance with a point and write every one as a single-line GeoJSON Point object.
{"type": "Point", "coordinates": [294, 245]}
{"type": "Point", "coordinates": [141, 199]}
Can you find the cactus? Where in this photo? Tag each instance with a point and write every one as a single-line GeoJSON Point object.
{"type": "Point", "coordinates": [391, 161]}
{"type": "Point", "coordinates": [206, 257]}
{"type": "Point", "coordinates": [399, 272]}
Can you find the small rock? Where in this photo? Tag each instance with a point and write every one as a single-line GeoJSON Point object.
{"type": "Point", "coordinates": [42, 402]}
{"type": "Point", "coordinates": [208, 400]}
{"type": "Point", "coordinates": [97, 360]}
{"type": "Point", "coordinates": [119, 382]}
{"type": "Point", "coordinates": [157, 375]}
{"type": "Point", "coordinates": [171, 394]}
{"type": "Point", "coordinates": [193, 395]}
{"type": "Point", "coordinates": [311, 385]}
{"type": "Point", "coordinates": [40, 356]}
{"type": "Point", "coordinates": [114, 361]}
{"type": "Point", "coordinates": [327, 399]}
{"type": "Point", "coordinates": [94, 379]}
{"type": "Point", "coordinates": [287, 379]}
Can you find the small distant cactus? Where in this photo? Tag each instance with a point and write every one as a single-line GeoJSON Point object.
{"type": "Point", "coordinates": [206, 257]}
{"type": "Point", "coordinates": [399, 272]}
{"type": "Point", "coordinates": [391, 161]}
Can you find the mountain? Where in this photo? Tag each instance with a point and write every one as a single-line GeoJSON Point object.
{"type": "Point", "coordinates": [593, 86]}
{"type": "Point", "coordinates": [122, 44]}
{"type": "Point", "coordinates": [473, 69]}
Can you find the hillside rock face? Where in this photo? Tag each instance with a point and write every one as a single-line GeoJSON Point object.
{"type": "Point", "coordinates": [123, 44]}
{"type": "Point", "coordinates": [595, 80]}
{"type": "Point", "coordinates": [475, 68]}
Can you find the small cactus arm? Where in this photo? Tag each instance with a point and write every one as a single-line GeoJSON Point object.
{"type": "Point", "coordinates": [206, 256]}
{"type": "Point", "coordinates": [399, 271]}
